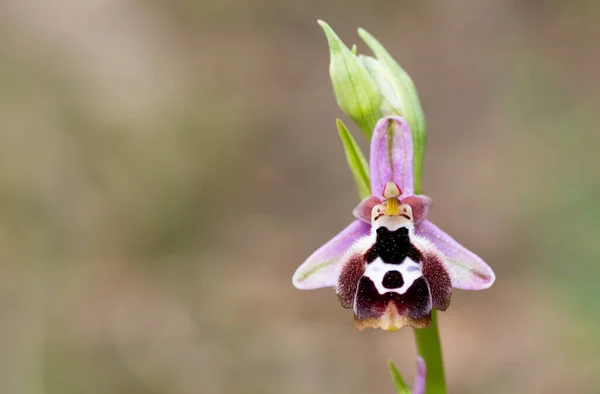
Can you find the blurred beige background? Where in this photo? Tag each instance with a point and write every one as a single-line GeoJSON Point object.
{"type": "Point", "coordinates": [165, 166]}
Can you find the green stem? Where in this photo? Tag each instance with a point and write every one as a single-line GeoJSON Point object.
{"type": "Point", "coordinates": [429, 347]}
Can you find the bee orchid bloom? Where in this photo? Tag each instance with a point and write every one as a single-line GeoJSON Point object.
{"type": "Point", "coordinates": [391, 265]}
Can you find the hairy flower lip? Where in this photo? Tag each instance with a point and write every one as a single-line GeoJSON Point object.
{"type": "Point", "coordinates": [391, 160]}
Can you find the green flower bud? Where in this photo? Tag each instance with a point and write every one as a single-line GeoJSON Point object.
{"type": "Point", "coordinates": [355, 90]}
{"type": "Point", "coordinates": [399, 95]}
{"type": "Point", "coordinates": [369, 88]}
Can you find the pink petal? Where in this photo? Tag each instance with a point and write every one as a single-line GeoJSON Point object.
{"type": "Point", "coordinates": [467, 271]}
{"type": "Point", "coordinates": [391, 156]}
{"type": "Point", "coordinates": [364, 208]}
{"type": "Point", "coordinates": [420, 206]}
{"type": "Point", "coordinates": [321, 269]}
{"type": "Point", "coordinates": [419, 383]}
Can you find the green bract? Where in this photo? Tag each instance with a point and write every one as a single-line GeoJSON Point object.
{"type": "Point", "coordinates": [356, 161]}
{"type": "Point", "coordinates": [399, 96]}
{"type": "Point", "coordinates": [399, 382]}
{"type": "Point", "coordinates": [355, 90]}
{"type": "Point", "coordinates": [368, 88]}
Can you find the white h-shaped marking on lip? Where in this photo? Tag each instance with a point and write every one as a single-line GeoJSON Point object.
{"type": "Point", "coordinates": [409, 269]}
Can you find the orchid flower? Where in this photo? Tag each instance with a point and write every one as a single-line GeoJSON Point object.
{"type": "Point", "coordinates": [392, 265]}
